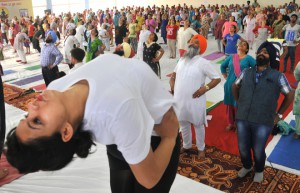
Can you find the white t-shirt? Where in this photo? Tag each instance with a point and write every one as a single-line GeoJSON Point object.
{"type": "Point", "coordinates": [69, 43]}
{"type": "Point", "coordinates": [291, 34]}
{"type": "Point", "coordinates": [184, 36]}
{"type": "Point", "coordinates": [76, 66]}
{"type": "Point", "coordinates": [125, 100]}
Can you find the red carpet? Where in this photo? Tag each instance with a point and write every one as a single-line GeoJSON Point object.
{"type": "Point", "coordinates": [217, 136]}
{"type": "Point", "coordinates": [39, 87]}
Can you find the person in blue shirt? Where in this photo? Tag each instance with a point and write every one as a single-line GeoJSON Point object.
{"type": "Point", "coordinates": [195, 24]}
{"type": "Point", "coordinates": [230, 41]}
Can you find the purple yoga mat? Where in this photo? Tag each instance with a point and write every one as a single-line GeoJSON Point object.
{"type": "Point", "coordinates": [28, 80]}
{"type": "Point", "coordinates": [213, 56]}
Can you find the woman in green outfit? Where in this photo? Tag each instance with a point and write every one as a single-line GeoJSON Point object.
{"type": "Point", "coordinates": [230, 69]}
{"type": "Point", "coordinates": [277, 26]}
{"type": "Point", "coordinates": [95, 46]}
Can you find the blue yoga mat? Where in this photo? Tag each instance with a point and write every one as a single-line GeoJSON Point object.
{"type": "Point", "coordinates": [287, 151]}
{"type": "Point", "coordinates": [6, 72]}
{"type": "Point", "coordinates": [28, 80]}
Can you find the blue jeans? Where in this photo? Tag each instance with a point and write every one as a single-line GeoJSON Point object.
{"type": "Point", "coordinates": [291, 54]}
{"type": "Point", "coordinates": [252, 136]}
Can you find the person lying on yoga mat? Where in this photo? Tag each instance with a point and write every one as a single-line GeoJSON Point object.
{"type": "Point", "coordinates": [112, 100]}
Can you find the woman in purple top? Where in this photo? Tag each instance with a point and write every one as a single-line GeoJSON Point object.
{"type": "Point", "coordinates": [151, 23]}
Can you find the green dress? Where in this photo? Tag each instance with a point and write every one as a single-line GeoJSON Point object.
{"type": "Point", "coordinates": [277, 26]}
{"type": "Point", "coordinates": [92, 49]}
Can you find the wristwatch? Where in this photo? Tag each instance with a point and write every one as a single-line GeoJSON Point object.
{"type": "Point", "coordinates": [206, 87]}
{"type": "Point", "coordinates": [279, 115]}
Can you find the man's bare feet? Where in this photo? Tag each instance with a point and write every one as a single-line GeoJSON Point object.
{"type": "Point", "coordinates": [201, 154]}
{"type": "Point", "coordinates": [296, 136]}
{"type": "Point", "coordinates": [3, 173]}
{"type": "Point", "coordinates": [183, 150]}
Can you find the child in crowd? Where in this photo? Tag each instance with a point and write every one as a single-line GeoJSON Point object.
{"type": "Point", "coordinates": [11, 35]}
{"type": "Point", "coordinates": [239, 21]}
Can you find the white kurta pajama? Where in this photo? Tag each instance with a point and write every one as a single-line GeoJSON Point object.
{"type": "Point", "coordinates": [190, 76]}
{"type": "Point", "coordinates": [19, 45]}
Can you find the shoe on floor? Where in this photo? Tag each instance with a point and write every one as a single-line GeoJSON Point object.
{"type": "Point", "coordinates": [243, 172]}
{"type": "Point", "coordinates": [258, 177]}
{"type": "Point", "coordinates": [18, 60]}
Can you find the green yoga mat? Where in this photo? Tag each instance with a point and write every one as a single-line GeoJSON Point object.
{"type": "Point", "coordinates": [33, 67]}
{"type": "Point", "coordinates": [220, 62]}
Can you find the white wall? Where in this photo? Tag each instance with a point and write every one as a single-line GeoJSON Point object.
{"type": "Point", "coordinates": [121, 3]}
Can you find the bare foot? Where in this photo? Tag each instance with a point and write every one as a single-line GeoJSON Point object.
{"type": "Point", "coordinates": [201, 154]}
{"type": "Point", "coordinates": [183, 150]}
{"type": "Point", "coordinates": [3, 173]}
{"type": "Point", "coordinates": [296, 136]}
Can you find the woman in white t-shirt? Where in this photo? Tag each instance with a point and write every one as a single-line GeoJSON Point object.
{"type": "Point", "coordinates": [112, 100]}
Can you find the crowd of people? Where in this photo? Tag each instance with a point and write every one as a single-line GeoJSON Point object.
{"type": "Point", "coordinates": [133, 115]}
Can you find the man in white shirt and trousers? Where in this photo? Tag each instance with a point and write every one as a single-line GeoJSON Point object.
{"type": "Point", "coordinates": [188, 85]}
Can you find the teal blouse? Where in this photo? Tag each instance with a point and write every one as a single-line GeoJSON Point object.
{"type": "Point", "coordinates": [246, 62]}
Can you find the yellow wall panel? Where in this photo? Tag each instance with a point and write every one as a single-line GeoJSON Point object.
{"type": "Point", "coordinates": [16, 7]}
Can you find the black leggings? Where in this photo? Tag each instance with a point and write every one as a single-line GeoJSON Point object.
{"type": "Point", "coordinates": [122, 179]}
{"type": "Point", "coordinates": [2, 117]}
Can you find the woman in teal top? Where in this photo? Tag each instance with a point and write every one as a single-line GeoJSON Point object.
{"type": "Point", "coordinates": [95, 46]}
{"type": "Point", "coordinates": [229, 73]}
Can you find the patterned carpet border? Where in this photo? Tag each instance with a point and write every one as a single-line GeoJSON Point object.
{"type": "Point", "coordinates": [219, 170]}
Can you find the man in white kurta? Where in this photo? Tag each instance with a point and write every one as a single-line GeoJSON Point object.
{"type": "Point", "coordinates": [189, 93]}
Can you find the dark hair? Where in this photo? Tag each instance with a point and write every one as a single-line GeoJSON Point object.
{"type": "Point", "coordinates": [295, 15]}
{"type": "Point", "coordinates": [78, 54]}
{"type": "Point", "coordinates": [96, 31]}
{"type": "Point", "coordinates": [47, 153]}
{"type": "Point", "coordinates": [234, 28]}
{"type": "Point", "coordinates": [247, 44]}
{"type": "Point", "coordinates": [73, 32]}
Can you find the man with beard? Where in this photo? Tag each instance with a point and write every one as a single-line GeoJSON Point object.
{"type": "Point", "coordinates": [50, 58]}
{"type": "Point", "coordinates": [256, 91]}
{"type": "Point", "coordinates": [189, 88]}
